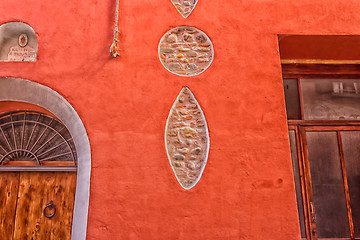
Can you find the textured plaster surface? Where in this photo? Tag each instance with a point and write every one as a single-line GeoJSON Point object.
{"type": "Point", "coordinates": [247, 190]}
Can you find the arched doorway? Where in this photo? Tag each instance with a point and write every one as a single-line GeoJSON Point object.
{"type": "Point", "coordinates": [25, 91]}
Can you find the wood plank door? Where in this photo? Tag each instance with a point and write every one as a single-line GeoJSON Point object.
{"type": "Point", "coordinates": [24, 195]}
{"type": "Point", "coordinates": [9, 185]}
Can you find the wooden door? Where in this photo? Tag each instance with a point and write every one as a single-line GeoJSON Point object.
{"type": "Point", "coordinates": [23, 197]}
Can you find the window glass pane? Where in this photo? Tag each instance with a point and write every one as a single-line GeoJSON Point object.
{"type": "Point", "coordinates": [351, 148]}
{"type": "Point", "coordinates": [292, 99]}
{"type": "Point", "coordinates": [327, 183]}
{"type": "Point", "coordinates": [295, 164]}
{"type": "Point", "coordinates": [331, 99]}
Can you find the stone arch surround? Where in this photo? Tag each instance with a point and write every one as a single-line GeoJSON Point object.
{"type": "Point", "coordinates": [14, 89]}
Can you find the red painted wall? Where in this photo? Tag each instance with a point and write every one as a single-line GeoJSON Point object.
{"type": "Point", "coordinates": [247, 190]}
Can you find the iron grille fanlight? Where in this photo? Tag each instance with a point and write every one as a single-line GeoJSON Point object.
{"type": "Point", "coordinates": [35, 141]}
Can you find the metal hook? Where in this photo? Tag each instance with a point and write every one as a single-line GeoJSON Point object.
{"type": "Point", "coordinates": [50, 206]}
{"type": "Point", "coordinates": [114, 46]}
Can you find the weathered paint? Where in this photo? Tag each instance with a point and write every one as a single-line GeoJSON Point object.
{"type": "Point", "coordinates": [247, 189]}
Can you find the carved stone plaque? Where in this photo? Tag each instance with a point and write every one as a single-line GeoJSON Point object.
{"type": "Point", "coordinates": [18, 42]}
{"type": "Point", "coordinates": [186, 51]}
{"type": "Point", "coordinates": [184, 7]}
{"type": "Point", "coordinates": [187, 139]}
{"type": "Point", "coordinates": [18, 53]}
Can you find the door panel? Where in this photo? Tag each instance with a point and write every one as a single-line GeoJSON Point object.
{"type": "Point", "coordinates": [64, 196]}
{"type": "Point", "coordinates": [36, 189]}
{"type": "Point", "coordinates": [9, 185]}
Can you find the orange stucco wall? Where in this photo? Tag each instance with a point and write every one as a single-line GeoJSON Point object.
{"type": "Point", "coordinates": [247, 190]}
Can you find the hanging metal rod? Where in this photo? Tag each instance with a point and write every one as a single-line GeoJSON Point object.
{"type": "Point", "coordinates": [114, 46]}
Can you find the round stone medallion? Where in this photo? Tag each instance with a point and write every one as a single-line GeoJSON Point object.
{"type": "Point", "coordinates": [186, 51]}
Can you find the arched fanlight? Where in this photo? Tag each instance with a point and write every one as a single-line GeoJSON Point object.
{"type": "Point", "coordinates": [36, 141]}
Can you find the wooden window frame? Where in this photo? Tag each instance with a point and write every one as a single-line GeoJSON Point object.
{"type": "Point", "coordinates": [305, 176]}
{"type": "Point", "coordinates": [319, 69]}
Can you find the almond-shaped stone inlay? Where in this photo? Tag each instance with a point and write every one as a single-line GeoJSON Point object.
{"type": "Point", "coordinates": [185, 7]}
{"type": "Point", "coordinates": [187, 139]}
{"type": "Point", "coordinates": [186, 51]}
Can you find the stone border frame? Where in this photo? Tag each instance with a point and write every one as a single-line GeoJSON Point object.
{"type": "Point", "coordinates": [14, 89]}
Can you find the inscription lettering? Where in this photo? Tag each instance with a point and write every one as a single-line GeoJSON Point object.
{"type": "Point", "coordinates": [18, 53]}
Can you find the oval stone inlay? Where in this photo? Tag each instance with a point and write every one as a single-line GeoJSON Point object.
{"type": "Point", "coordinates": [185, 7]}
{"type": "Point", "coordinates": [187, 139]}
{"type": "Point", "coordinates": [186, 51]}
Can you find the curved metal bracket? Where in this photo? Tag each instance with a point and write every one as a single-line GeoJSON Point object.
{"type": "Point", "coordinates": [50, 206]}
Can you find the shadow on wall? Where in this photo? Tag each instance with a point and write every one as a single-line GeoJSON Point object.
{"type": "Point", "coordinates": [18, 42]}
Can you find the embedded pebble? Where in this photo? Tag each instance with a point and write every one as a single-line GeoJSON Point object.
{"type": "Point", "coordinates": [183, 150]}
{"type": "Point", "coordinates": [188, 38]}
{"type": "Point", "coordinates": [175, 66]}
{"type": "Point", "coordinates": [172, 38]}
{"type": "Point", "coordinates": [196, 151]}
{"type": "Point", "coordinates": [177, 164]}
{"type": "Point", "coordinates": [167, 50]}
{"type": "Point", "coordinates": [191, 66]}
{"type": "Point", "coordinates": [184, 112]}
{"type": "Point", "coordinates": [179, 157]}
{"type": "Point", "coordinates": [201, 38]}
{"type": "Point", "coordinates": [172, 133]}
{"type": "Point", "coordinates": [191, 54]}
{"type": "Point", "coordinates": [188, 132]}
